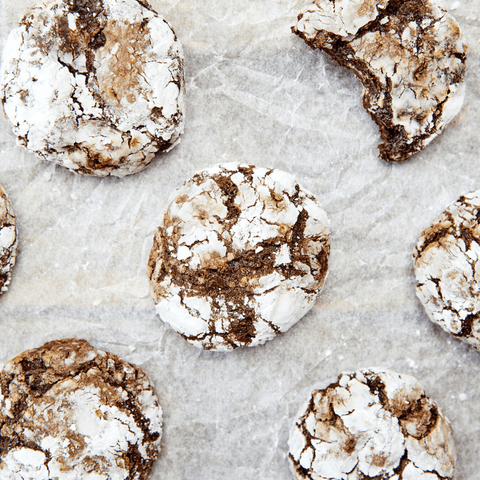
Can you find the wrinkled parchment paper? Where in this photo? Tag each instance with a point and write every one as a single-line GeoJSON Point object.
{"type": "Point", "coordinates": [255, 93]}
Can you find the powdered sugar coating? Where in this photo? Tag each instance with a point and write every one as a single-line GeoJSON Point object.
{"type": "Point", "coordinates": [409, 56]}
{"type": "Point", "coordinates": [96, 86]}
{"type": "Point", "coordinates": [70, 411]}
{"type": "Point", "coordinates": [446, 269]}
{"type": "Point", "coordinates": [8, 241]}
{"type": "Point", "coordinates": [371, 424]}
{"type": "Point", "coordinates": [239, 257]}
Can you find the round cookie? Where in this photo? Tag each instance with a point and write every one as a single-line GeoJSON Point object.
{"type": "Point", "coordinates": [72, 412]}
{"type": "Point", "coordinates": [96, 86]}
{"type": "Point", "coordinates": [409, 56]}
{"type": "Point", "coordinates": [447, 271]}
{"type": "Point", "coordinates": [239, 257]}
{"type": "Point", "coordinates": [371, 424]}
{"type": "Point", "coordinates": [8, 241]}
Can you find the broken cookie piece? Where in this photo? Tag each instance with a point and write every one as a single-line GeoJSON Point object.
{"type": "Point", "coordinates": [8, 241]}
{"type": "Point", "coordinates": [71, 412]}
{"type": "Point", "coordinates": [239, 257]}
{"type": "Point", "coordinates": [409, 56]}
{"type": "Point", "coordinates": [371, 424]}
{"type": "Point", "coordinates": [96, 86]}
{"type": "Point", "coordinates": [446, 263]}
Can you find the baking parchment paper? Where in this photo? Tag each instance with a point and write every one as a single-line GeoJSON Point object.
{"type": "Point", "coordinates": [257, 94]}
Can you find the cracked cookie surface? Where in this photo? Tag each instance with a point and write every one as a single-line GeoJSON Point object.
{"type": "Point", "coordinates": [8, 241]}
{"type": "Point", "coordinates": [446, 261]}
{"type": "Point", "coordinates": [72, 412]}
{"type": "Point", "coordinates": [409, 56]}
{"type": "Point", "coordinates": [371, 424]}
{"type": "Point", "coordinates": [96, 86]}
{"type": "Point", "coordinates": [239, 257]}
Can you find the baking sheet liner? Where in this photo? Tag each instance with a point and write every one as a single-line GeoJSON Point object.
{"type": "Point", "coordinates": [256, 94]}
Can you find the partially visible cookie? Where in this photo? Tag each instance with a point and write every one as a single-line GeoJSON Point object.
{"type": "Point", "coordinates": [409, 56]}
{"type": "Point", "coordinates": [8, 241]}
{"type": "Point", "coordinates": [96, 86]}
{"type": "Point", "coordinates": [447, 269]}
{"type": "Point", "coordinates": [71, 412]}
{"type": "Point", "coordinates": [371, 424]}
{"type": "Point", "coordinates": [239, 257]}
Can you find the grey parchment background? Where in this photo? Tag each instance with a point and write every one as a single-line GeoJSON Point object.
{"type": "Point", "coordinates": [255, 93]}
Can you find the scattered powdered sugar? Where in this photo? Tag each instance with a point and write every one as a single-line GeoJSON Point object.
{"type": "Point", "coordinates": [371, 424]}
{"type": "Point", "coordinates": [409, 56]}
{"type": "Point", "coordinates": [96, 86]}
{"type": "Point", "coordinates": [445, 261]}
{"type": "Point", "coordinates": [69, 411]}
{"type": "Point", "coordinates": [8, 241]}
{"type": "Point", "coordinates": [239, 257]}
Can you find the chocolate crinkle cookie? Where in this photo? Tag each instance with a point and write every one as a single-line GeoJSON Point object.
{"type": "Point", "coordinates": [96, 86]}
{"type": "Point", "coordinates": [71, 412]}
{"type": "Point", "coordinates": [446, 262]}
{"type": "Point", "coordinates": [409, 56]}
{"type": "Point", "coordinates": [371, 424]}
{"type": "Point", "coordinates": [8, 241]}
{"type": "Point", "coordinates": [240, 256]}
